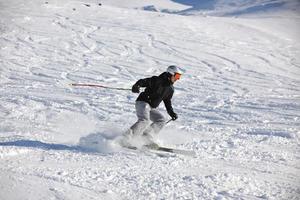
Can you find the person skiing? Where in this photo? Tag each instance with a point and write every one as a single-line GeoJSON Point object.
{"type": "Point", "coordinates": [157, 89]}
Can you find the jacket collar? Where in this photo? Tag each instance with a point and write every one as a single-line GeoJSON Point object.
{"type": "Point", "coordinates": [166, 78]}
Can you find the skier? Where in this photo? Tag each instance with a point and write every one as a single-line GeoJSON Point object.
{"type": "Point", "coordinates": [157, 89]}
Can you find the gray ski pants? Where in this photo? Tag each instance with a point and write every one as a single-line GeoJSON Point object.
{"type": "Point", "coordinates": [145, 113]}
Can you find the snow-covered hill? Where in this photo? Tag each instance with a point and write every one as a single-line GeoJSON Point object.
{"type": "Point", "coordinates": [238, 101]}
{"type": "Point", "coordinates": [215, 7]}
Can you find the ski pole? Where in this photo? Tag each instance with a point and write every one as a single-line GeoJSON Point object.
{"type": "Point", "coordinates": [96, 85]}
{"type": "Point", "coordinates": [169, 121]}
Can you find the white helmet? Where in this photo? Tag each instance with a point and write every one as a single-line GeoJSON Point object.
{"type": "Point", "coordinates": [174, 69]}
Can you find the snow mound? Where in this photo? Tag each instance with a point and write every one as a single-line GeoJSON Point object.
{"type": "Point", "coordinates": [101, 142]}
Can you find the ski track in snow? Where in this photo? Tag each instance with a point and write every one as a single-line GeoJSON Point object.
{"type": "Point", "coordinates": [238, 104]}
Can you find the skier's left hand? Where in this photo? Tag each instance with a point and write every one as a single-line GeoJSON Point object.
{"type": "Point", "coordinates": [135, 88]}
{"type": "Point", "coordinates": [173, 116]}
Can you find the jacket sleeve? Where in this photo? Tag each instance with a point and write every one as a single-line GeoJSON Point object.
{"type": "Point", "coordinates": [146, 82]}
{"type": "Point", "coordinates": [168, 104]}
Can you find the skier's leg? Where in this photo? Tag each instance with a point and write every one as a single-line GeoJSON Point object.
{"type": "Point", "coordinates": [143, 114]}
{"type": "Point", "coordinates": [158, 122]}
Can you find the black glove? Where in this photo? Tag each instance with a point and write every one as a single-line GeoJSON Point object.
{"type": "Point", "coordinates": [173, 116]}
{"type": "Point", "coordinates": [135, 88]}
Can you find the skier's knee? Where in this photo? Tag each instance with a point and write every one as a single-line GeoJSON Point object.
{"type": "Point", "coordinates": [160, 120]}
{"type": "Point", "coordinates": [144, 121]}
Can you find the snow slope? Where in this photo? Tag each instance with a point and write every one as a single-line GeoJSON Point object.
{"type": "Point", "coordinates": [238, 102]}
{"type": "Point", "coordinates": [237, 8]}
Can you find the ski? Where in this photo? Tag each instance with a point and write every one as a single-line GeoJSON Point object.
{"type": "Point", "coordinates": [172, 150]}
{"type": "Point", "coordinates": [160, 150]}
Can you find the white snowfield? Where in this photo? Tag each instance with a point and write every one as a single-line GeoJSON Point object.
{"type": "Point", "coordinates": [238, 101]}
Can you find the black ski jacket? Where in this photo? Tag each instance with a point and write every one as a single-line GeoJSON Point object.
{"type": "Point", "coordinates": [158, 89]}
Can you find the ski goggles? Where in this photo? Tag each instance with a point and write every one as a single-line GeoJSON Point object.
{"type": "Point", "coordinates": [177, 76]}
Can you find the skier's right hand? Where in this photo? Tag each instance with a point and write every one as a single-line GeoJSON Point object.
{"type": "Point", "coordinates": [135, 88]}
{"type": "Point", "coordinates": [173, 116]}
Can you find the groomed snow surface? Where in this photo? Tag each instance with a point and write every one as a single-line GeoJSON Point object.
{"type": "Point", "coordinates": [238, 101]}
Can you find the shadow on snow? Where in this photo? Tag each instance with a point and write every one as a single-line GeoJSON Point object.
{"type": "Point", "coordinates": [42, 145]}
{"type": "Point", "coordinates": [92, 143]}
{"type": "Point", "coordinates": [198, 5]}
